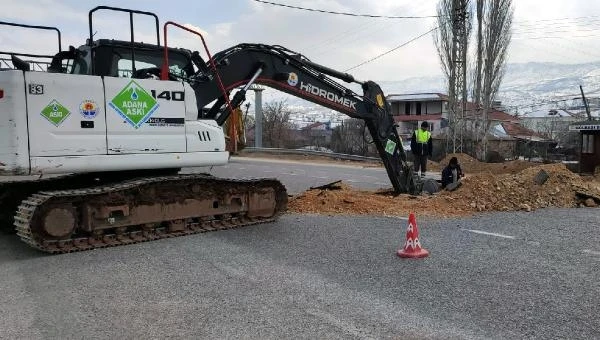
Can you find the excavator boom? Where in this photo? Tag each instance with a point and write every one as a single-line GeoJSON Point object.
{"type": "Point", "coordinates": [290, 72]}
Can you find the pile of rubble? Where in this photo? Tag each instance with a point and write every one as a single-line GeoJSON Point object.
{"type": "Point", "coordinates": [344, 199]}
{"type": "Point", "coordinates": [524, 190]}
{"type": "Point", "coordinates": [521, 191]}
{"type": "Point", "coordinates": [472, 165]}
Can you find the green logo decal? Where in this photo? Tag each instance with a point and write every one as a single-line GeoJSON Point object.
{"type": "Point", "coordinates": [134, 104]}
{"type": "Point", "coordinates": [390, 146]}
{"type": "Point", "coordinates": [55, 112]}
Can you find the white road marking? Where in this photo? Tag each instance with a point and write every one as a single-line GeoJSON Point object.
{"type": "Point", "coordinates": [591, 252]}
{"type": "Point", "coordinates": [320, 177]}
{"type": "Point", "coordinates": [489, 234]}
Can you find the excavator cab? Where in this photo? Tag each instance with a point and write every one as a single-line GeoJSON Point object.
{"type": "Point", "coordinates": [125, 59]}
{"type": "Point", "coordinates": [115, 58]}
{"type": "Point", "coordinates": [105, 57]}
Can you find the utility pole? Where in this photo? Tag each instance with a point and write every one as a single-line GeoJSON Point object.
{"type": "Point", "coordinates": [585, 103]}
{"type": "Point", "coordinates": [458, 84]}
{"type": "Point", "coordinates": [258, 115]}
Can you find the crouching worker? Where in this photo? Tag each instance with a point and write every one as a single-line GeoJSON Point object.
{"type": "Point", "coordinates": [452, 174]}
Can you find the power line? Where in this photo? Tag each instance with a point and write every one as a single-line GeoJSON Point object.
{"type": "Point", "coordinates": [556, 37]}
{"type": "Point", "coordinates": [392, 50]}
{"type": "Point", "coordinates": [544, 102]}
{"type": "Point", "coordinates": [547, 31]}
{"type": "Point", "coordinates": [346, 13]}
{"type": "Point", "coordinates": [554, 25]}
{"type": "Point", "coordinates": [355, 39]}
{"type": "Point", "coordinates": [556, 19]}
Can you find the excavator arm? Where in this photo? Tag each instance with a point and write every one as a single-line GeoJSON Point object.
{"type": "Point", "coordinates": [290, 72]}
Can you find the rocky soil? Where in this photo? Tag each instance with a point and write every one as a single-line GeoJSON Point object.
{"type": "Point", "coordinates": [489, 187]}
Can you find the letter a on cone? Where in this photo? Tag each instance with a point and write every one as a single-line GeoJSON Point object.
{"type": "Point", "coordinates": [412, 246]}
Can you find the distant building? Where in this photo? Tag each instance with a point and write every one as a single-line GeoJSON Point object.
{"type": "Point", "coordinates": [317, 126]}
{"type": "Point", "coordinates": [409, 110]}
{"type": "Point", "coordinates": [510, 139]}
{"type": "Point", "coordinates": [516, 131]}
{"type": "Point", "coordinates": [508, 136]}
{"type": "Point", "coordinates": [589, 145]}
{"type": "Point", "coordinates": [549, 122]}
{"type": "Point", "coordinates": [317, 134]}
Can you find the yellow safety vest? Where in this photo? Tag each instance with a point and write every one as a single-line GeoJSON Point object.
{"type": "Point", "coordinates": [422, 136]}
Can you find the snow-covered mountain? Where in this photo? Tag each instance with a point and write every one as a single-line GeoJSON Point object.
{"type": "Point", "coordinates": [532, 86]}
{"type": "Point", "coordinates": [526, 87]}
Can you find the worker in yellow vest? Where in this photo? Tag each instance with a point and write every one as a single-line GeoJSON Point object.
{"type": "Point", "coordinates": [421, 147]}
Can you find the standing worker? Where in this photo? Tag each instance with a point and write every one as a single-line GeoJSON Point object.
{"type": "Point", "coordinates": [421, 147]}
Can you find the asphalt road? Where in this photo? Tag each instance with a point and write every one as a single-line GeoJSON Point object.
{"type": "Point", "coordinates": [298, 176]}
{"type": "Point", "coordinates": [497, 276]}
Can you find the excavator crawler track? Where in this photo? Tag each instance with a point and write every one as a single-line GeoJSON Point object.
{"type": "Point", "coordinates": [140, 210]}
{"type": "Point", "coordinates": [14, 191]}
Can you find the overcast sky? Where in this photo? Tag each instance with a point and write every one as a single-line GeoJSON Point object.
{"type": "Point", "coordinates": [544, 30]}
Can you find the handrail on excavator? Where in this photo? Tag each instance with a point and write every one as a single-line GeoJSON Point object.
{"type": "Point", "coordinates": [164, 74]}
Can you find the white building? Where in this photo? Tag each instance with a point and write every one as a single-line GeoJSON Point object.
{"type": "Point", "coordinates": [549, 122]}
{"type": "Point", "coordinates": [409, 110]}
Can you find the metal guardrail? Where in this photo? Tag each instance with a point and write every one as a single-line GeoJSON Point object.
{"type": "Point", "coordinates": [313, 153]}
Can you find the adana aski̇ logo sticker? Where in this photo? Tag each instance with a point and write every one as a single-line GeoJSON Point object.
{"type": "Point", "coordinates": [134, 104]}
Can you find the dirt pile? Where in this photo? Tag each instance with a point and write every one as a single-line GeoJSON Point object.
{"type": "Point", "coordinates": [479, 192]}
{"type": "Point", "coordinates": [509, 192]}
{"type": "Point", "coordinates": [347, 200]}
{"type": "Point", "coordinates": [471, 165]}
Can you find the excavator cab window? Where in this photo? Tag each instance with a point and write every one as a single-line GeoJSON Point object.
{"type": "Point", "coordinates": [70, 61]}
{"type": "Point", "coordinates": [123, 59]}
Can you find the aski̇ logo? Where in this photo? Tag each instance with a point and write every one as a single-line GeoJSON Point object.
{"type": "Point", "coordinates": [293, 79]}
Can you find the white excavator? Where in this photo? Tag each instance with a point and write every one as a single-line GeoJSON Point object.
{"type": "Point", "coordinates": [115, 121]}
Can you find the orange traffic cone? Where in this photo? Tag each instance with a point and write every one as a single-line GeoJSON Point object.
{"type": "Point", "coordinates": [412, 246]}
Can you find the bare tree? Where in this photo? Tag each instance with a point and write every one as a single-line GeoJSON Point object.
{"type": "Point", "coordinates": [276, 124]}
{"type": "Point", "coordinates": [494, 21]}
{"type": "Point", "coordinates": [443, 39]}
{"type": "Point", "coordinates": [479, 55]}
{"type": "Point", "coordinates": [451, 41]}
{"type": "Point", "coordinates": [350, 138]}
